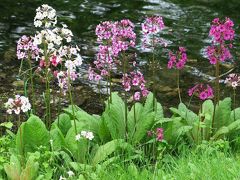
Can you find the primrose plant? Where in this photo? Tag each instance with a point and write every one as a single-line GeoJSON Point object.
{"type": "Point", "coordinates": [52, 50]}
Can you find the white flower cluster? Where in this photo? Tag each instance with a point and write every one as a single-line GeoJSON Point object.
{"type": "Point", "coordinates": [45, 16]}
{"type": "Point", "coordinates": [20, 103]}
{"type": "Point", "coordinates": [86, 134]}
{"type": "Point", "coordinates": [233, 80]}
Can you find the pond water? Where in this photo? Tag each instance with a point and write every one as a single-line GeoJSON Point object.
{"type": "Point", "coordinates": [187, 21]}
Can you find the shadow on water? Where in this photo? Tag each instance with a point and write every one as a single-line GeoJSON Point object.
{"type": "Point", "coordinates": [187, 24]}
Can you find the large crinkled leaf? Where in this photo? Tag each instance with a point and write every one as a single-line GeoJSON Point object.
{"type": "Point", "coordinates": [231, 128]}
{"type": "Point", "coordinates": [144, 124]}
{"type": "Point", "coordinates": [132, 121]}
{"type": "Point", "coordinates": [207, 113]}
{"type": "Point", "coordinates": [13, 170]}
{"type": "Point", "coordinates": [114, 117]}
{"type": "Point", "coordinates": [57, 138]}
{"type": "Point", "coordinates": [222, 114]}
{"type": "Point", "coordinates": [148, 107]}
{"type": "Point", "coordinates": [78, 149]}
{"type": "Point", "coordinates": [237, 114]}
{"type": "Point", "coordinates": [31, 135]}
{"type": "Point", "coordinates": [107, 149]}
{"type": "Point", "coordinates": [103, 131]}
{"type": "Point", "coordinates": [63, 122]}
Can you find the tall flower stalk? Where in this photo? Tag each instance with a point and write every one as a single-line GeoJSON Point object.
{"type": "Point", "coordinates": [150, 29]}
{"type": "Point", "coordinates": [178, 61]}
{"type": "Point", "coordinates": [203, 92]}
{"type": "Point", "coordinates": [57, 57]}
{"type": "Point", "coordinates": [222, 34]}
{"type": "Point", "coordinates": [26, 50]}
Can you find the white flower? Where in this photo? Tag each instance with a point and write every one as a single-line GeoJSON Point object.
{"type": "Point", "coordinates": [87, 134]}
{"type": "Point", "coordinates": [62, 178]}
{"type": "Point", "coordinates": [70, 173]}
{"type": "Point", "coordinates": [78, 136]}
{"type": "Point", "coordinates": [37, 23]}
{"type": "Point", "coordinates": [20, 103]}
{"type": "Point", "coordinates": [90, 136]}
{"type": "Point", "coordinates": [78, 60]}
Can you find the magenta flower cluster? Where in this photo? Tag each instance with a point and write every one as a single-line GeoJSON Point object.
{"type": "Point", "coordinates": [150, 28]}
{"type": "Point", "coordinates": [177, 60]}
{"type": "Point", "coordinates": [158, 133]}
{"type": "Point", "coordinates": [222, 33]}
{"type": "Point", "coordinates": [202, 91]}
{"type": "Point", "coordinates": [113, 38]}
{"type": "Point", "coordinates": [26, 48]}
{"type": "Point", "coordinates": [135, 81]}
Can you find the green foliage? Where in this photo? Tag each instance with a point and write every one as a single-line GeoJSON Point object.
{"type": "Point", "coordinates": [15, 170]}
{"type": "Point", "coordinates": [31, 135]}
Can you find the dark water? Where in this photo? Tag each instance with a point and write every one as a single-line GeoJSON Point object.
{"type": "Point", "coordinates": [187, 21]}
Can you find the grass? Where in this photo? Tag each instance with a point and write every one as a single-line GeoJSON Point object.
{"type": "Point", "coordinates": [190, 165]}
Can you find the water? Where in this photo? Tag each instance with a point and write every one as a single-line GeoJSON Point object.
{"type": "Point", "coordinates": [187, 22]}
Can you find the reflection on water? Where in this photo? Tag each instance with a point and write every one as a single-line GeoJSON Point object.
{"type": "Point", "coordinates": [187, 24]}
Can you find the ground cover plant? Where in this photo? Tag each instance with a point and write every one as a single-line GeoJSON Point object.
{"type": "Point", "coordinates": [133, 138]}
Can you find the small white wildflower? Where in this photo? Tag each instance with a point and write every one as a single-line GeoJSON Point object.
{"type": "Point", "coordinates": [77, 137]}
{"type": "Point", "coordinates": [70, 173]}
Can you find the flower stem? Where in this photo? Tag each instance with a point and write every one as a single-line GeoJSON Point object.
{"type": "Point", "coordinates": [217, 96]}
{"type": "Point", "coordinates": [32, 85]}
{"type": "Point", "coordinates": [234, 104]}
{"type": "Point", "coordinates": [71, 100]}
{"type": "Point", "coordinates": [125, 97]}
{"type": "Point", "coordinates": [178, 85]}
{"type": "Point", "coordinates": [153, 73]}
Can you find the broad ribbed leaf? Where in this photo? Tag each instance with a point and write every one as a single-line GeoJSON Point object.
{"type": "Point", "coordinates": [107, 149]}
{"type": "Point", "coordinates": [222, 115]}
{"type": "Point", "coordinates": [114, 117]}
{"type": "Point", "coordinates": [63, 122]}
{"type": "Point", "coordinates": [31, 135]}
{"type": "Point", "coordinates": [207, 112]}
{"type": "Point", "coordinates": [57, 138]}
{"type": "Point", "coordinates": [144, 124]}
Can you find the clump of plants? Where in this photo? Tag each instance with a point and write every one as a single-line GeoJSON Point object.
{"type": "Point", "coordinates": [74, 143]}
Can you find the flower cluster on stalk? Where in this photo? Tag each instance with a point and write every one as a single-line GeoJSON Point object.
{"type": "Point", "coordinates": [222, 34]}
{"type": "Point", "coordinates": [135, 81]}
{"type": "Point", "coordinates": [202, 91]}
{"type": "Point", "coordinates": [85, 134]}
{"type": "Point", "coordinates": [177, 60]}
{"type": "Point", "coordinates": [26, 48]}
{"type": "Point", "coordinates": [233, 80]}
{"type": "Point", "coordinates": [17, 105]}
{"type": "Point", "coordinates": [115, 38]}
{"type": "Point", "coordinates": [150, 28]}
{"type": "Point", "coordinates": [158, 133]}
{"type": "Point", "coordinates": [45, 16]}
{"type": "Point", "coordinates": [56, 54]}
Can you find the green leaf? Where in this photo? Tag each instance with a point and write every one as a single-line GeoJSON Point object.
{"type": "Point", "coordinates": [223, 112]}
{"type": "Point", "coordinates": [78, 149]}
{"type": "Point", "coordinates": [7, 125]}
{"type": "Point", "coordinates": [63, 122]}
{"type": "Point", "coordinates": [13, 170]}
{"type": "Point", "coordinates": [31, 135]}
{"type": "Point", "coordinates": [131, 119]}
{"type": "Point", "coordinates": [31, 169]}
{"type": "Point", "coordinates": [107, 149]}
{"type": "Point", "coordinates": [207, 112]}
{"type": "Point", "coordinates": [57, 138]}
{"type": "Point", "coordinates": [237, 114]}
{"type": "Point", "coordinates": [144, 124]}
{"type": "Point", "coordinates": [114, 117]}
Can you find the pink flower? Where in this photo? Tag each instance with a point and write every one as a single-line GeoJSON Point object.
{"type": "Point", "coordinates": [221, 32]}
{"type": "Point", "coordinates": [202, 91]}
{"type": "Point", "coordinates": [137, 96]}
{"type": "Point", "coordinates": [177, 60]}
{"type": "Point", "coordinates": [26, 48]}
